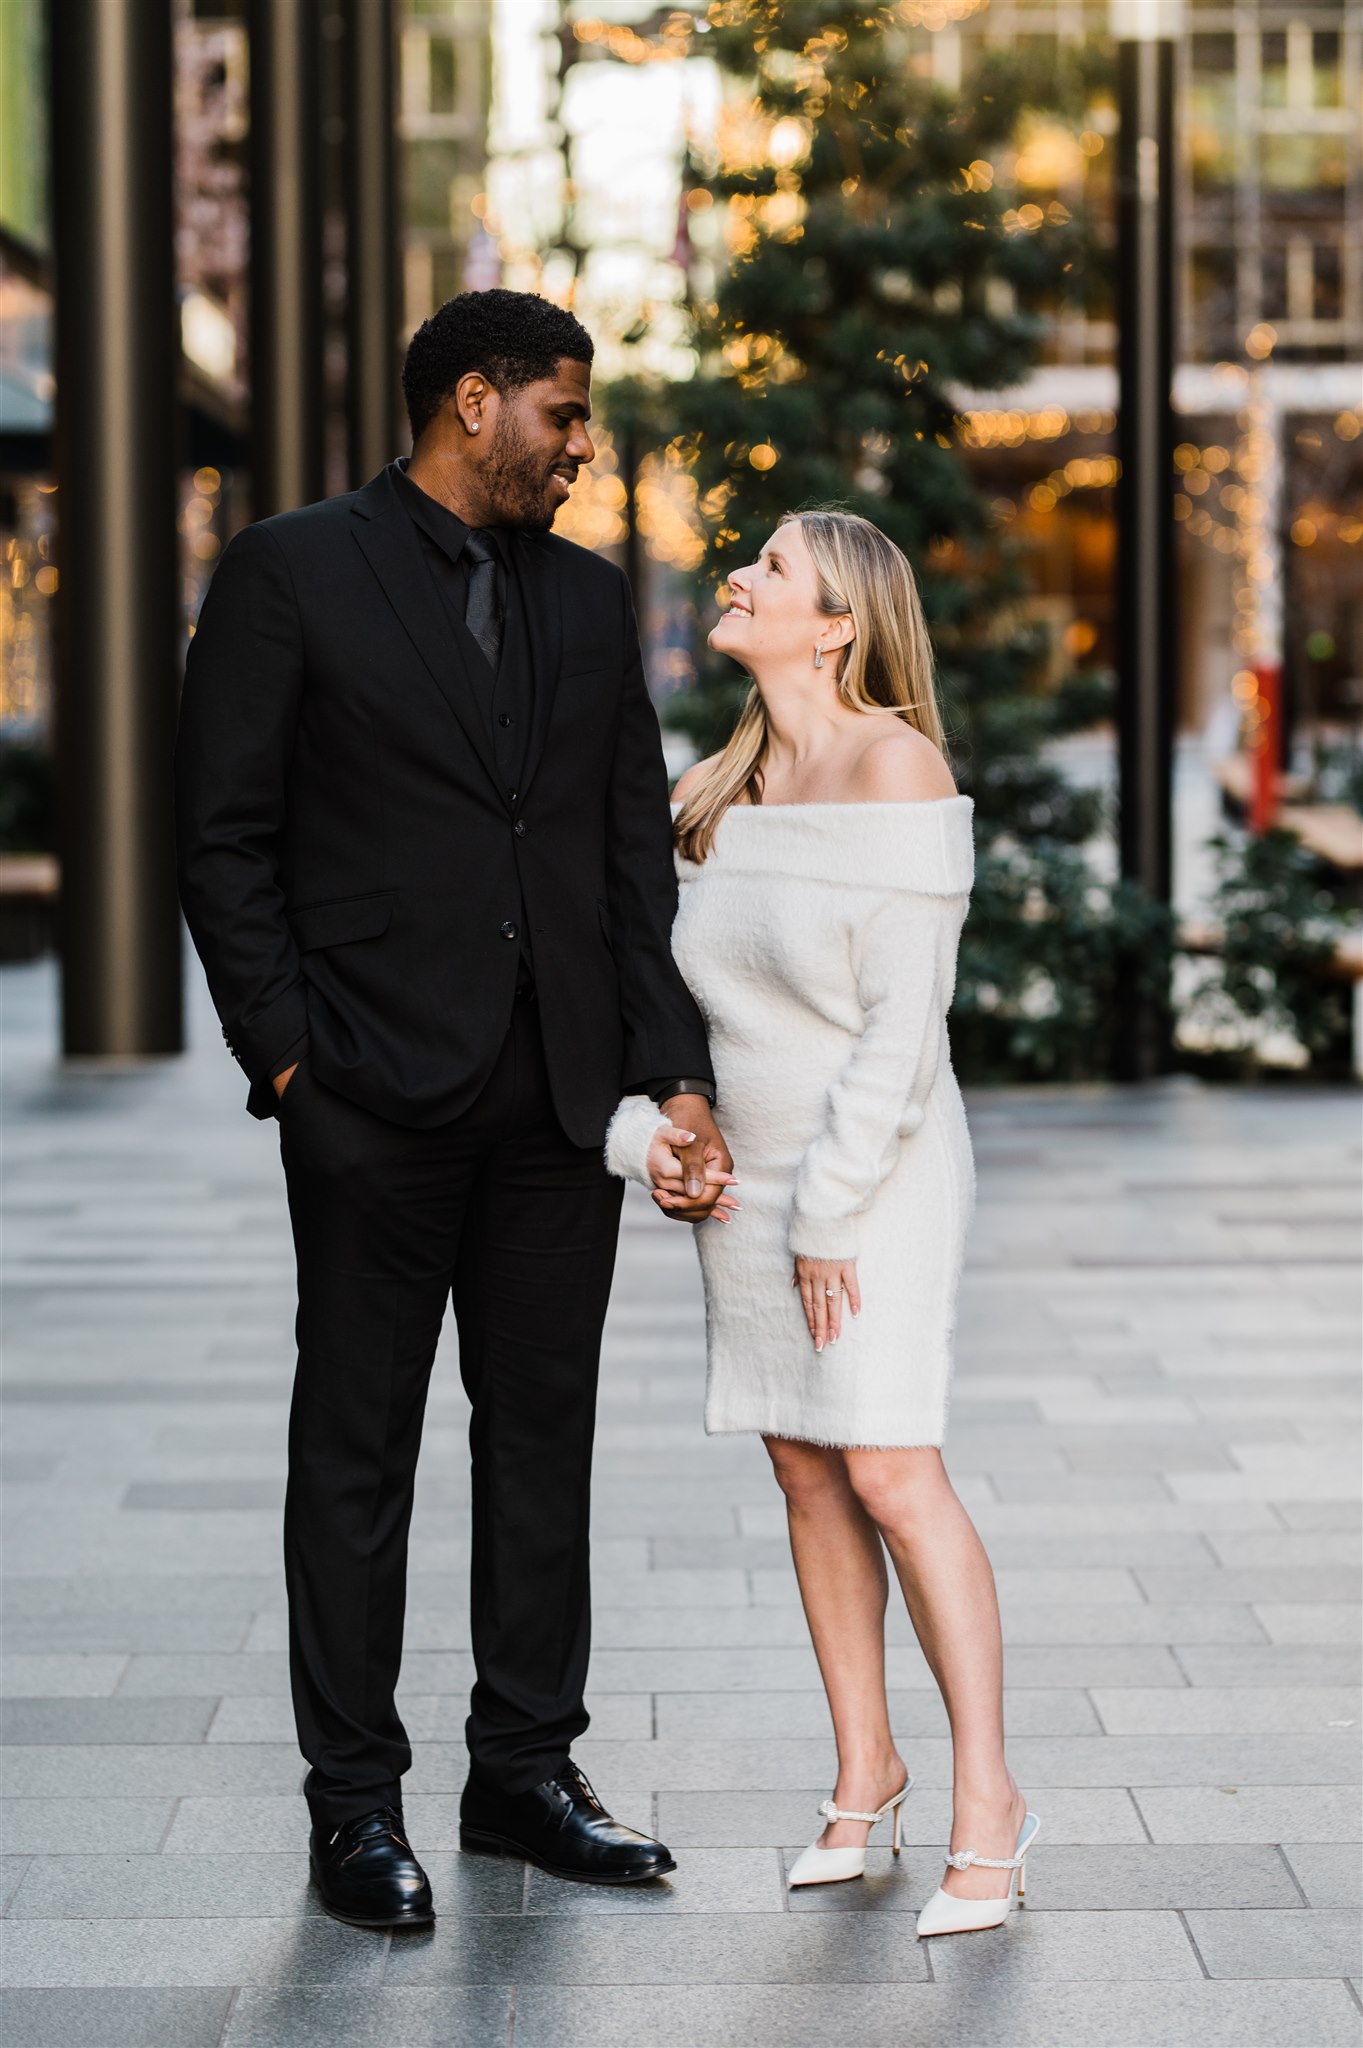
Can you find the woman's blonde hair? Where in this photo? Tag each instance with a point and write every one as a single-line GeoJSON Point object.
{"type": "Point", "coordinates": [886, 669]}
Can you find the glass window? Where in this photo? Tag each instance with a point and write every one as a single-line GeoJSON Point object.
{"type": "Point", "coordinates": [1212, 130]}
{"type": "Point", "coordinates": [1327, 268]}
{"type": "Point", "coordinates": [446, 274]}
{"type": "Point", "coordinates": [1213, 56]}
{"type": "Point", "coordinates": [1273, 294]}
{"type": "Point", "coordinates": [444, 77]}
{"type": "Point", "coordinates": [430, 170]}
{"type": "Point", "coordinates": [1212, 282]}
{"type": "Point", "coordinates": [1273, 68]}
{"type": "Point", "coordinates": [1303, 163]}
{"type": "Point", "coordinates": [1326, 82]}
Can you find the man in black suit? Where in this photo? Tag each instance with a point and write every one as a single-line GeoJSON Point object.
{"type": "Point", "coordinates": [425, 857]}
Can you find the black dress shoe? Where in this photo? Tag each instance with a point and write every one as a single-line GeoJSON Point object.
{"type": "Point", "coordinates": [562, 1827]}
{"type": "Point", "coordinates": [367, 1874]}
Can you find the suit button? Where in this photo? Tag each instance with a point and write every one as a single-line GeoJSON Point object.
{"type": "Point", "coordinates": [519, 828]}
{"type": "Point", "coordinates": [508, 930]}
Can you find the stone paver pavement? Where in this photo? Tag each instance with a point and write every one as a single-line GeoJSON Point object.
{"type": "Point", "coordinates": [1154, 1425]}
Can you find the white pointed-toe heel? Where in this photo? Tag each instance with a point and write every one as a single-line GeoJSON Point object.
{"type": "Point", "coordinates": [816, 1865]}
{"type": "Point", "coordinates": [944, 1914]}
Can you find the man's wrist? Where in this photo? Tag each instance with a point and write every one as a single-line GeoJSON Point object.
{"type": "Point", "coordinates": [677, 1085]}
{"type": "Point", "coordinates": [685, 1105]}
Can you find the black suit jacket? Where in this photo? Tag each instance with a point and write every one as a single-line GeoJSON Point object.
{"type": "Point", "coordinates": [351, 868]}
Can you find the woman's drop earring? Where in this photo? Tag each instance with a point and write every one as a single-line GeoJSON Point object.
{"type": "Point", "coordinates": [818, 655]}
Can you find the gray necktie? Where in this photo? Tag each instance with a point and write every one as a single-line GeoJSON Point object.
{"type": "Point", "coordinates": [483, 612]}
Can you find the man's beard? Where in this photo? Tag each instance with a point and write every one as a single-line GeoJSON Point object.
{"type": "Point", "coordinates": [515, 482]}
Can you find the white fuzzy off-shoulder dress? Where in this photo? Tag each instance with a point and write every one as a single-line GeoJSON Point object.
{"type": "Point", "coordinates": [820, 943]}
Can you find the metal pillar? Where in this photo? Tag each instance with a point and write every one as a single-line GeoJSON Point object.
{"type": "Point", "coordinates": [1147, 639]}
{"type": "Point", "coordinates": [371, 239]}
{"type": "Point", "coordinates": [287, 449]}
{"type": "Point", "coordinates": [119, 600]}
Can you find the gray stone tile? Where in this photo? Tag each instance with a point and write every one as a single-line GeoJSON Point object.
{"type": "Point", "coordinates": [918, 1713]}
{"type": "Point", "coordinates": [1272, 1664]}
{"type": "Point", "coordinates": [51, 1953]}
{"type": "Point", "coordinates": [84, 1826]}
{"type": "Point", "coordinates": [75, 1678]}
{"type": "Point", "coordinates": [741, 1881]}
{"type": "Point", "coordinates": [206, 1676]}
{"type": "Point", "coordinates": [1250, 1813]}
{"type": "Point", "coordinates": [452, 2016]}
{"type": "Point", "coordinates": [113, 2018]}
{"type": "Point", "coordinates": [1079, 1486]}
{"type": "Point", "coordinates": [1330, 1873]}
{"type": "Point", "coordinates": [1083, 1665]}
{"type": "Point", "coordinates": [12, 1869]}
{"type": "Point", "coordinates": [1311, 1621]}
{"type": "Point", "coordinates": [25, 1722]}
{"type": "Point", "coordinates": [643, 1949]}
{"type": "Point", "coordinates": [1125, 1877]}
{"type": "Point", "coordinates": [113, 1772]}
{"type": "Point", "coordinates": [248, 1885]}
{"type": "Point", "coordinates": [1321, 1514]}
{"type": "Point", "coordinates": [1216, 1710]}
{"type": "Point", "coordinates": [1259, 1945]}
{"type": "Point", "coordinates": [893, 2015]}
{"type": "Point", "coordinates": [236, 1595]}
{"type": "Point", "coordinates": [203, 1496]}
{"type": "Point", "coordinates": [1185, 1759]}
{"type": "Point", "coordinates": [1254, 1549]}
{"type": "Point", "coordinates": [120, 1634]}
{"type": "Point", "coordinates": [1074, 1947]}
{"type": "Point", "coordinates": [1266, 1585]}
{"type": "Point", "coordinates": [1181, 1624]}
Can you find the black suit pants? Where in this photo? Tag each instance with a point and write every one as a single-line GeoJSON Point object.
{"type": "Point", "coordinates": [499, 1211]}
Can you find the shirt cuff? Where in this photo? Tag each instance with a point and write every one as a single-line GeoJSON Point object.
{"type": "Point", "coordinates": [662, 1091]}
{"type": "Point", "coordinates": [291, 1057]}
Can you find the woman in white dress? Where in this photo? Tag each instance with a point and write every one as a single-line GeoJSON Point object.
{"type": "Point", "coordinates": [825, 860]}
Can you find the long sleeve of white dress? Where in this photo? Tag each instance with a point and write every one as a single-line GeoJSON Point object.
{"type": "Point", "coordinates": [877, 1100]}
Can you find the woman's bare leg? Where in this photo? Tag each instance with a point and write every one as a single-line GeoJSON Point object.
{"type": "Point", "coordinates": [840, 1565]}
{"type": "Point", "coordinates": [949, 1589]}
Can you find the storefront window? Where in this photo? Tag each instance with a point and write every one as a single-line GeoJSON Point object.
{"type": "Point", "coordinates": [1212, 129]}
{"type": "Point", "coordinates": [1326, 80]}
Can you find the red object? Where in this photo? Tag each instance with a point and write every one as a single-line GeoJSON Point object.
{"type": "Point", "coordinates": [1266, 745]}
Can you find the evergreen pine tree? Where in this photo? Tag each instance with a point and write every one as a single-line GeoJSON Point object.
{"type": "Point", "coordinates": [879, 263]}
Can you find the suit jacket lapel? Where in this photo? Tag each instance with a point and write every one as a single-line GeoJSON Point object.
{"type": "Point", "coordinates": [390, 545]}
{"type": "Point", "coordinates": [542, 596]}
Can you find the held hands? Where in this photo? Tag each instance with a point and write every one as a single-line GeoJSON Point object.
{"type": "Point", "coordinates": [690, 1164]}
{"type": "Point", "coordinates": [822, 1284]}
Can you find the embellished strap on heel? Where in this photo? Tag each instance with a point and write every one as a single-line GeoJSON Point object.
{"type": "Point", "coordinates": [964, 1858]}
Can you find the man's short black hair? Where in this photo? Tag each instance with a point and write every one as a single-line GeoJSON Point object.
{"type": "Point", "coordinates": [511, 338]}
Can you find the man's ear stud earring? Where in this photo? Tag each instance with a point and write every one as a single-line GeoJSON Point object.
{"type": "Point", "coordinates": [474, 428]}
{"type": "Point", "coordinates": [818, 655]}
